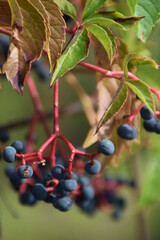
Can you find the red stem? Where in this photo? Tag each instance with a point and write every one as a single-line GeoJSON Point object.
{"type": "Point", "coordinates": [70, 165]}
{"type": "Point", "coordinates": [37, 104]}
{"type": "Point", "coordinates": [132, 115]}
{"type": "Point", "coordinates": [56, 107]}
{"type": "Point", "coordinates": [46, 144]}
{"type": "Point", "coordinates": [156, 92]}
{"type": "Point", "coordinates": [107, 73]}
{"type": "Point", "coordinates": [30, 137]}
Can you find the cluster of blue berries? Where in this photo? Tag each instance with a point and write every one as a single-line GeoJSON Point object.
{"type": "Point", "coordinates": [87, 193]}
{"type": "Point", "coordinates": [151, 123]}
{"type": "Point", "coordinates": [54, 185]}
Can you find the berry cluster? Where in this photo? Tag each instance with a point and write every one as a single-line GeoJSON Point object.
{"type": "Point", "coordinates": [151, 123]}
{"type": "Point", "coordinates": [58, 183]}
{"type": "Point", "coordinates": [53, 185]}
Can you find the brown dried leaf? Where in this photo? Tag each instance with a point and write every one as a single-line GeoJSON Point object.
{"type": "Point", "coordinates": [55, 28]}
{"type": "Point", "coordinates": [28, 36]}
{"type": "Point", "coordinates": [5, 14]}
{"type": "Point", "coordinates": [91, 138]}
{"type": "Point", "coordinates": [15, 67]}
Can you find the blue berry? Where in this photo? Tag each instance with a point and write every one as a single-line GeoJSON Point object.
{"type": "Point", "coordinates": [74, 176]}
{"type": "Point", "coordinates": [149, 125]}
{"type": "Point", "coordinates": [59, 190]}
{"type": "Point", "coordinates": [88, 192]}
{"type": "Point", "coordinates": [110, 197]}
{"type": "Point", "coordinates": [93, 169]}
{"type": "Point", "coordinates": [63, 203]}
{"type": "Point", "coordinates": [4, 45]}
{"type": "Point", "coordinates": [83, 180]}
{"type": "Point", "coordinates": [88, 206]}
{"type": "Point", "coordinates": [122, 180]}
{"type": "Point", "coordinates": [106, 147]}
{"type": "Point", "coordinates": [9, 170]}
{"type": "Point", "coordinates": [157, 128]}
{"type": "Point", "coordinates": [69, 185]}
{"type": "Point", "coordinates": [57, 172]}
{"type": "Point", "coordinates": [117, 214]}
{"type": "Point", "coordinates": [132, 183]}
{"type": "Point", "coordinates": [120, 203]}
{"type": "Point", "coordinates": [39, 191]}
{"type": "Point", "coordinates": [25, 171]}
{"type": "Point", "coordinates": [50, 198]}
{"type": "Point", "coordinates": [16, 180]}
{"type": "Point", "coordinates": [4, 136]}
{"type": "Point", "coordinates": [9, 154]}
{"type": "Point", "coordinates": [146, 114]}
{"type": "Point", "coordinates": [19, 146]}
{"type": "Point", "coordinates": [27, 198]}
{"type": "Point", "coordinates": [127, 132]}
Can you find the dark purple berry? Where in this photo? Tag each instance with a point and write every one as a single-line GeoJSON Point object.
{"type": "Point", "coordinates": [25, 171]}
{"type": "Point", "coordinates": [19, 146]}
{"type": "Point", "coordinates": [63, 203]}
{"type": "Point", "coordinates": [149, 125]}
{"type": "Point", "coordinates": [93, 168]}
{"type": "Point", "coordinates": [9, 154]}
{"type": "Point", "coordinates": [39, 191]}
{"type": "Point", "coordinates": [127, 132]}
{"type": "Point", "coordinates": [69, 185]}
{"type": "Point", "coordinates": [106, 147]}
{"type": "Point", "coordinates": [146, 114]}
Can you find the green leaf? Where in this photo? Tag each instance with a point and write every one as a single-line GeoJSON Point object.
{"type": "Point", "coordinates": [67, 8]}
{"type": "Point", "coordinates": [150, 192]}
{"type": "Point", "coordinates": [150, 10]}
{"type": "Point", "coordinates": [90, 8]}
{"type": "Point", "coordinates": [54, 28]}
{"type": "Point", "coordinates": [134, 59]}
{"type": "Point", "coordinates": [132, 5]}
{"type": "Point", "coordinates": [119, 18]}
{"type": "Point", "coordinates": [142, 91]}
{"type": "Point", "coordinates": [115, 105]}
{"type": "Point", "coordinates": [76, 52]}
{"type": "Point", "coordinates": [102, 35]}
{"type": "Point", "coordinates": [99, 19]}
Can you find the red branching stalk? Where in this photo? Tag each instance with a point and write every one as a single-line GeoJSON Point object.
{"type": "Point", "coordinates": [37, 157]}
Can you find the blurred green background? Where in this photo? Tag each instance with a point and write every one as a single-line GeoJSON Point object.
{"type": "Point", "coordinates": [43, 222]}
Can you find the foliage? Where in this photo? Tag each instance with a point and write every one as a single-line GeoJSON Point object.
{"type": "Point", "coordinates": [37, 28]}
